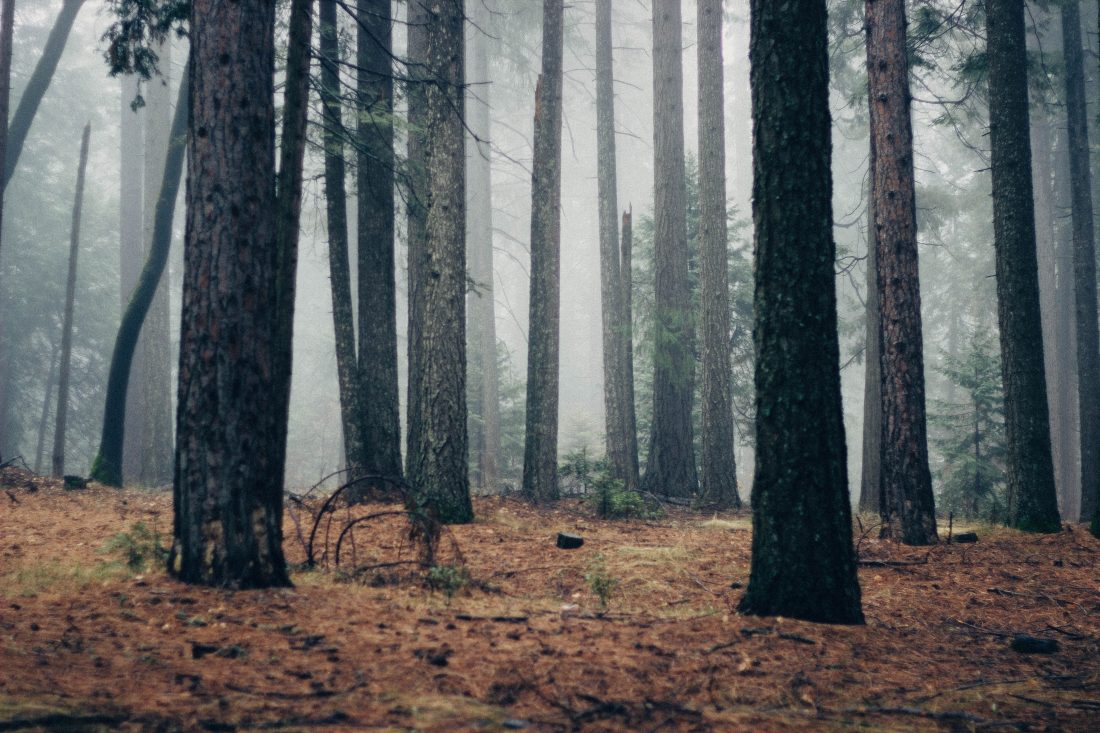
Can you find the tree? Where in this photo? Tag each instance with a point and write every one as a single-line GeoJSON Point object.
{"type": "Point", "coordinates": [107, 468]}
{"type": "Point", "coordinates": [803, 563]}
{"type": "Point", "coordinates": [437, 437]}
{"type": "Point", "coordinates": [870, 485]}
{"type": "Point", "coordinates": [907, 506]}
{"type": "Point", "coordinates": [670, 464]}
{"type": "Point", "coordinates": [131, 253]}
{"type": "Point", "coordinates": [380, 415]}
{"type": "Point", "coordinates": [626, 274]}
{"type": "Point", "coordinates": [484, 387]}
{"type": "Point", "coordinates": [540, 461]}
{"type": "Point", "coordinates": [7, 23]}
{"type": "Point", "coordinates": [67, 325]}
{"type": "Point", "coordinates": [1027, 426]}
{"type": "Point", "coordinates": [1084, 262]}
{"type": "Point", "coordinates": [622, 447]}
{"type": "Point", "coordinates": [719, 474]}
{"type": "Point", "coordinates": [229, 462]}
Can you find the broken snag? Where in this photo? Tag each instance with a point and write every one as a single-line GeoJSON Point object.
{"type": "Point", "coordinates": [568, 541]}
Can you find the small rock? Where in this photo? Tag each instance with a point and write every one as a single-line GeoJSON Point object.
{"type": "Point", "coordinates": [1025, 644]}
{"type": "Point", "coordinates": [568, 541]}
{"type": "Point", "coordinates": [736, 585]}
{"type": "Point", "coordinates": [514, 724]}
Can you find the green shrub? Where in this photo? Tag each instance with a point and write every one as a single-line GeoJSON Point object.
{"type": "Point", "coordinates": [448, 578]}
{"type": "Point", "coordinates": [600, 581]}
{"type": "Point", "coordinates": [138, 547]}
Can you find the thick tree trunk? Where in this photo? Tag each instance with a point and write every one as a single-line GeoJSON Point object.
{"type": "Point", "coordinates": [719, 474]}
{"type": "Point", "coordinates": [131, 253]}
{"type": "Point", "coordinates": [37, 85]}
{"type": "Point", "coordinates": [7, 23]}
{"type": "Point", "coordinates": [803, 563]}
{"type": "Point", "coordinates": [611, 291]}
{"type": "Point", "coordinates": [907, 507]}
{"type": "Point", "coordinates": [540, 454]}
{"type": "Point", "coordinates": [437, 460]}
{"type": "Point", "coordinates": [107, 467]}
{"type": "Point", "coordinates": [630, 418]}
{"type": "Point", "coordinates": [1030, 471]}
{"type": "Point", "coordinates": [1084, 261]}
{"type": "Point", "coordinates": [156, 342]}
{"type": "Point", "coordinates": [380, 413]}
{"type": "Point", "coordinates": [870, 486]}
{"type": "Point", "coordinates": [670, 464]}
{"type": "Point", "coordinates": [484, 387]}
{"type": "Point", "coordinates": [336, 209]}
{"type": "Point", "coordinates": [230, 438]}
{"type": "Point", "coordinates": [67, 323]}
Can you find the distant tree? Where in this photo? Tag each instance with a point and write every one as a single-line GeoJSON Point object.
{"type": "Point", "coordinates": [626, 275]}
{"type": "Point", "coordinates": [803, 562]}
{"type": "Point", "coordinates": [229, 461]}
{"type": "Point", "coordinates": [67, 324]}
{"type": "Point", "coordinates": [131, 255]}
{"type": "Point", "coordinates": [907, 506]}
{"type": "Point", "coordinates": [670, 463]}
{"type": "Point", "coordinates": [719, 471]}
{"type": "Point", "coordinates": [1027, 426]}
{"type": "Point", "coordinates": [540, 462]}
{"type": "Point", "coordinates": [437, 456]}
{"type": "Point", "coordinates": [870, 485]}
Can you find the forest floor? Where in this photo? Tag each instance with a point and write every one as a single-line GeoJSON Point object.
{"type": "Point", "coordinates": [520, 640]}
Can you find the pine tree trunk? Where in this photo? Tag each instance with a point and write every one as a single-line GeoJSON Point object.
{"type": "Point", "coordinates": [1030, 470]}
{"type": "Point", "coordinates": [131, 256]}
{"type": "Point", "coordinates": [670, 464]}
{"type": "Point", "coordinates": [540, 454]}
{"type": "Point", "coordinates": [870, 486]}
{"type": "Point", "coordinates": [230, 439]}
{"type": "Point", "coordinates": [908, 509]}
{"type": "Point", "coordinates": [719, 474]}
{"type": "Point", "coordinates": [484, 387]}
{"type": "Point", "coordinates": [7, 23]}
{"type": "Point", "coordinates": [343, 317]}
{"type": "Point", "coordinates": [611, 292]}
{"type": "Point", "coordinates": [37, 85]}
{"type": "Point", "coordinates": [1084, 262]}
{"type": "Point", "coordinates": [67, 323]}
{"type": "Point", "coordinates": [803, 563]}
{"type": "Point", "coordinates": [378, 388]}
{"type": "Point", "coordinates": [437, 460]}
{"type": "Point", "coordinates": [107, 467]}
{"type": "Point", "coordinates": [156, 445]}
{"type": "Point", "coordinates": [626, 272]}
{"type": "Point", "coordinates": [47, 401]}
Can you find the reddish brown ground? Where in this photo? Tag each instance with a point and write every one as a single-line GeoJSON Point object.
{"type": "Point", "coordinates": [84, 640]}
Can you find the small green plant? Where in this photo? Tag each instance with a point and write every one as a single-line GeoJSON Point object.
{"type": "Point", "coordinates": [137, 547]}
{"type": "Point", "coordinates": [448, 578]}
{"type": "Point", "coordinates": [604, 493]}
{"type": "Point", "coordinates": [600, 581]}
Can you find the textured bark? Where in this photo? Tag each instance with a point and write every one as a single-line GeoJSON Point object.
{"type": "Point", "coordinates": [670, 464]}
{"type": "Point", "coordinates": [803, 563]}
{"type": "Point", "coordinates": [7, 23]}
{"type": "Point", "coordinates": [380, 413]}
{"type": "Point", "coordinates": [38, 84]}
{"type": "Point", "coordinates": [611, 291]}
{"type": "Point", "coordinates": [1084, 262]}
{"type": "Point", "coordinates": [228, 493]}
{"type": "Point", "coordinates": [1030, 471]}
{"type": "Point", "coordinates": [484, 387]}
{"type": "Point", "coordinates": [437, 460]}
{"type": "Point", "coordinates": [131, 256]}
{"type": "Point", "coordinates": [870, 486]}
{"type": "Point", "coordinates": [67, 323]}
{"type": "Point", "coordinates": [907, 507]}
{"type": "Point", "coordinates": [718, 477]}
{"type": "Point", "coordinates": [336, 210]}
{"type": "Point", "coordinates": [540, 448]}
{"type": "Point", "coordinates": [108, 465]}
{"type": "Point", "coordinates": [156, 445]}
{"type": "Point", "coordinates": [630, 418]}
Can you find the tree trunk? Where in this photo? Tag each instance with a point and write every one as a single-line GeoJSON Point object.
{"type": "Point", "coordinates": [803, 563]}
{"type": "Point", "coordinates": [540, 454]}
{"type": "Point", "coordinates": [107, 466]}
{"type": "Point", "coordinates": [719, 473]}
{"type": "Point", "coordinates": [37, 85]}
{"type": "Point", "coordinates": [670, 465]}
{"type": "Point", "coordinates": [156, 341]}
{"type": "Point", "coordinates": [67, 323]}
{"type": "Point", "coordinates": [7, 23]}
{"type": "Point", "coordinates": [336, 208]}
{"type": "Point", "coordinates": [907, 507]}
{"type": "Point", "coordinates": [626, 272]}
{"type": "Point", "coordinates": [380, 413]}
{"type": "Point", "coordinates": [1030, 471]}
{"type": "Point", "coordinates": [47, 401]}
{"type": "Point", "coordinates": [437, 461]}
{"type": "Point", "coordinates": [230, 438]}
{"type": "Point", "coordinates": [870, 487]}
{"type": "Point", "coordinates": [611, 291]}
{"type": "Point", "coordinates": [484, 387]}
{"type": "Point", "coordinates": [1084, 261]}
{"type": "Point", "coordinates": [131, 256]}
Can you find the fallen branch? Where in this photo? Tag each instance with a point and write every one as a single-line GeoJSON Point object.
{"type": "Point", "coordinates": [874, 563]}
